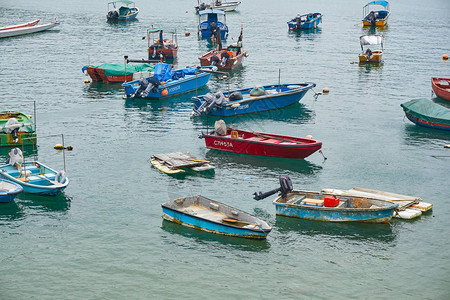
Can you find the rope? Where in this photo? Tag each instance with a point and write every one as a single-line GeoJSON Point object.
{"type": "Point", "coordinates": [316, 95]}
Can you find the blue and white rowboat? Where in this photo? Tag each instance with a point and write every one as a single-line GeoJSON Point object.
{"type": "Point", "coordinates": [208, 215]}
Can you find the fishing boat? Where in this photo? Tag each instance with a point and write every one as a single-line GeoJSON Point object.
{"type": "Point", "coordinates": [227, 58]}
{"type": "Point", "coordinates": [9, 190]}
{"type": "Point", "coordinates": [320, 206]}
{"type": "Point", "coordinates": [110, 73]}
{"type": "Point", "coordinates": [409, 207]}
{"type": "Point", "coordinates": [441, 87]}
{"type": "Point", "coordinates": [250, 100]}
{"type": "Point", "coordinates": [167, 83]}
{"type": "Point", "coordinates": [218, 4]}
{"type": "Point", "coordinates": [176, 163]}
{"type": "Point", "coordinates": [160, 48]}
{"type": "Point", "coordinates": [426, 113]}
{"type": "Point", "coordinates": [16, 128]}
{"type": "Point", "coordinates": [257, 143]}
{"type": "Point", "coordinates": [123, 10]}
{"type": "Point", "coordinates": [209, 23]}
{"type": "Point", "coordinates": [32, 23]}
{"type": "Point", "coordinates": [208, 215]}
{"type": "Point", "coordinates": [33, 176]}
{"type": "Point", "coordinates": [375, 41]}
{"type": "Point", "coordinates": [376, 13]}
{"type": "Point", "coordinates": [306, 21]}
{"type": "Point", "coordinates": [27, 29]}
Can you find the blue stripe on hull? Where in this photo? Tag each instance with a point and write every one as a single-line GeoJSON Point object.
{"type": "Point", "coordinates": [213, 227]}
{"type": "Point", "coordinates": [333, 215]}
{"type": "Point", "coordinates": [424, 124]}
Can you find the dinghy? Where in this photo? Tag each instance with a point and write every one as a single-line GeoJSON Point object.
{"type": "Point", "coordinates": [27, 29]}
{"type": "Point", "coordinates": [208, 215]}
{"type": "Point", "coordinates": [180, 163]}
{"type": "Point", "coordinates": [8, 190]}
{"type": "Point", "coordinates": [441, 87]}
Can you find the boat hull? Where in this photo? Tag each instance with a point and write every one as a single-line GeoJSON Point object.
{"type": "Point", "coordinates": [424, 123]}
{"type": "Point", "coordinates": [133, 14]}
{"type": "Point", "coordinates": [441, 90]}
{"type": "Point", "coordinates": [263, 144]}
{"type": "Point", "coordinates": [171, 53]}
{"type": "Point", "coordinates": [27, 30]}
{"type": "Point", "coordinates": [234, 62]}
{"type": "Point", "coordinates": [20, 25]}
{"type": "Point", "coordinates": [98, 74]}
{"type": "Point", "coordinates": [309, 24]}
{"type": "Point", "coordinates": [375, 58]}
{"type": "Point", "coordinates": [9, 190]}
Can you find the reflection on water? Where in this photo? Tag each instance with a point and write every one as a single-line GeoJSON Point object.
{"type": "Point", "coordinates": [210, 239]}
{"type": "Point", "coordinates": [348, 230]}
{"type": "Point", "coordinates": [305, 34]}
{"type": "Point", "coordinates": [10, 212]}
{"type": "Point", "coordinates": [367, 67]}
{"type": "Point", "coordinates": [100, 90]}
{"type": "Point", "coordinates": [420, 135]}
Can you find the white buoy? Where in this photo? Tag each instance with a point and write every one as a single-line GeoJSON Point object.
{"type": "Point", "coordinates": [309, 137]}
{"type": "Point", "coordinates": [87, 81]}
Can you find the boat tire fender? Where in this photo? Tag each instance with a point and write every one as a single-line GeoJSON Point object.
{"type": "Point", "coordinates": [60, 176]}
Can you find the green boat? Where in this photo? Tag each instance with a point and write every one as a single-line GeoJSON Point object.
{"type": "Point", "coordinates": [16, 128]}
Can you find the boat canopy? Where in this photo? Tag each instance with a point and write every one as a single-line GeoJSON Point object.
{"type": "Point", "coordinates": [120, 70]}
{"type": "Point", "coordinates": [154, 30]}
{"type": "Point", "coordinates": [211, 11]}
{"type": "Point", "coordinates": [126, 2]}
{"type": "Point", "coordinates": [382, 3]}
{"type": "Point", "coordinates": [374, 39]}
{"type": "Point", "coordinates": [427, 110]}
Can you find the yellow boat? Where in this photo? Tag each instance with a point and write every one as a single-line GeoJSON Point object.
{"type": "Point", "coordinates": [374, 41]}
{"type": "Point", "coordinates": [373, 17]}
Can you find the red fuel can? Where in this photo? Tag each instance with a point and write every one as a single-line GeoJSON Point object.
{"type": "Point", "coordinates": [330, 201]}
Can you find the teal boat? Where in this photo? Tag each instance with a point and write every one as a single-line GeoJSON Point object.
{"type": "Point", "coordinates": [427, 113]}
{"type": "Point", "coordinates": [16, 128]}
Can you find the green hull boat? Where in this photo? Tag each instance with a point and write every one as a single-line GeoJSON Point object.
{"type": "Point", "coordinates": [16, 129]}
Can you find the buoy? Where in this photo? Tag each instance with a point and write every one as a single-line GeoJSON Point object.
{"type": "Point", "coordinates": [446, 146]}
{"type": "Point", "coordinates": [352, 62]}
{"type": "Point", "coordinates": [224, 77]}
{"type": "Point", "coordinates": [58, 146]}
{"type": "Point", "coordinates": [186, 11]}
{"type": "Point", "coordinates": [309, 137]}
{"type": "Point", "coordinates": [70, 148]}
{"type": "Point", "coordinates": [445, 57]}
{"type": "Point", "coordinates": [326, 90]}
{"type": "Point", "coordinates": [164, 92]}
{"type": "Point", "coordinates": [87, 81]}
{"type": "Point", "coordinates": [187, 33]}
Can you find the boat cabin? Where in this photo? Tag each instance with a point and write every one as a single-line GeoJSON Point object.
{"type": "Point", "coordinates": [209, 20]}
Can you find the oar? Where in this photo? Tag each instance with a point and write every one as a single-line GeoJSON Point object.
{"type": "Point", "coordinates": [52, 181]}
{"type": "Point", "coordinates": [214, 72]}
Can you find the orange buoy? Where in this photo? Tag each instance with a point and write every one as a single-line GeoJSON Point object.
{"type": "Point", "coordinates": [164, 92]}
{"type": "Point", "coordinates": [187, 33]}
{"type": "Point", "coordinates": [445, 57]}
{"type": "Point", "coordinates": [326, 90]}
{"type": "Point", "coordinates": [309, 137]}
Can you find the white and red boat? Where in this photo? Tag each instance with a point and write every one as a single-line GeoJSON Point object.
{"type": "Point", "coordinates": [263, 144]}
{"type": "Point", "coordinates": [32, 23]}
{"type": "Point", "coordinates": [26, 29]}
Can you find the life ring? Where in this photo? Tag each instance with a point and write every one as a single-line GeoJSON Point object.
{"type": "Point", "coordinates": [60, 177]}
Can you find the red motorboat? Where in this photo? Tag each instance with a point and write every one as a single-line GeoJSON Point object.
{"type": "Point", "coordinates": [264, 144]}
{"type": "Point", "coordinates": [441, 87]}
{"type": "Point", "coordinates": [158, 46]}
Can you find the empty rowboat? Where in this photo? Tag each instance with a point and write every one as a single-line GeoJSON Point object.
{"type": "Point", "coordinates": [208, 215]}
{"type": "Point", "coordinates": [441, 87]}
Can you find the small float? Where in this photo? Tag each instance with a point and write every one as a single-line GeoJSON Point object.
{"type": "Point", "coordinates": [211, 216]}
{"type": "Point", "coordinates": [441, 87]}
{"type": "Point", "coordinates": [123, 10]}
{"type": "Point", "coordinates": [177, 163]}
{"type": "Point", "coordinates": [306, 21]}
{"type": "Point", "coordinates": [376, 13]}
{"type": "Point", "coordinates": [425, 112]}
{"type": "Point", "coordinates": [375, 41]}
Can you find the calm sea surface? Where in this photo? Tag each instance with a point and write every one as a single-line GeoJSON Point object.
{"type": "Point", "coordinates": [105, 238]}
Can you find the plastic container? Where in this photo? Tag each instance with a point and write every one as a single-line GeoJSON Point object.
{"type": "Point", "coordinates": [330, 201]}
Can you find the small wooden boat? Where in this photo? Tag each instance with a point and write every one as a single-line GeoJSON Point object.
{"type": "Point", "coordinates": [218, 4]}
{"type": "Point", "coordinates": [375, 41]}
{"type": "Point", "coordinates": [32, 23]}
{"type": "Point", "coordinates": [426, 113]}
{"type": "Point", "coordinates": [16, 128]}
{"type": "Point", "coordinates": [8, 190]}
{"type": "Point", "coordinates": [306, 21]}
{"type": "Point", "coordinates": [409, 207]}
{"type": "Point", "coordinates": [324, 207]}
{"type": "Point", "coordinates": [250, 100]}
{"type": "Point", "coordinates": [167, 83]}
{"type": "Point", "coordinates": [33, 176]}
{"type": "Point", "coordinates": [441, 87]}
{"type": "Point", "coordinates": [27, 29]}
{"type": "Point", "coordinates": [208, 215]}
{"type": "Point", "coordinates": [376, 13]}
{"type": "Point", "coordinates": [208, 22]}
{"type": "Point", "coordinates": [160, 48]}
{"type": "Point", "coordinates": [110, 73]}
{"type": "Point", "coordinates": [123, 10]}
{"type": "Point", "coordinates": [180, 163]}
{"type": "Point", "coordinates": [263, 144]}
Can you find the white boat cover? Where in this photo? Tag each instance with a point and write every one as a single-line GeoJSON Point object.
{"type": "Point", "coordinates": [374, 39]}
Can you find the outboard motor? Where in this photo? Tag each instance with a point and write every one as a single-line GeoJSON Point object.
{"type": "Point", "coordinates": [225, 58]}
{"type": "Point", "coordinates": [285, 188]}
{"type": "Point", "coordinates": [146, 86]}
{"type": "Point", "coordinates": [214, 60]}
{"type": "Point", "coordinates": [209, 102]}
{"type": "Point", "coordinates": [12, 127]}
{"type": "Point", "coordinates": [15, 157]}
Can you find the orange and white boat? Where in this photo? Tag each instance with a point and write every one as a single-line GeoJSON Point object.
{"type": "Point", "coordinates": [374, 41]}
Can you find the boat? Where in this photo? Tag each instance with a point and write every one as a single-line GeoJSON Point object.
{"type": "Point", "coordinates": [27, 29]}
{"type": "Point", "coordinates": [320, 206]}
{"type": "Point", "coordinates": [176, 163]}
{"type": "Point", "coordinates": [123, 10]}
{"type": "Point", "coordinates": [209, 23]}
{"type": "Point", "coordinates": [376, 13]}
{"type": "Point", "coordinates": [227, 58]}
{"type": "Point", "coordinates": [371, 55]}
{"type": "Point", "coordinates": [250, 100]}
{"type": "Point", "coordinates": [426, 113]}
{"type": "Point", "coordinates": [441, 87]}
{"type": "Point", "coordinates": [306, 21]}
{"type": "Point", "coordinates": [167, 83]}
{"type": "Point", "coordinates": [32, 23]}
{"type": "Point", "coordinates": [257, 143]}
{"type": "Point", "coordinates": [110, 73]}
{"type": "Point", "coordinates": [33, 176]}
{"type": "Point", "coordinates": [208, 215]}
{"type": "Point", "coordinates": [218, 4]}
{"type": "Point", "coordinates": [160, 48]}
{"type": "Point", "coordinates": [409, 207]}
{"type": "Point", "coordinates": [9, 190]}
{"type": "Point", "coordinates": [16, 128]}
